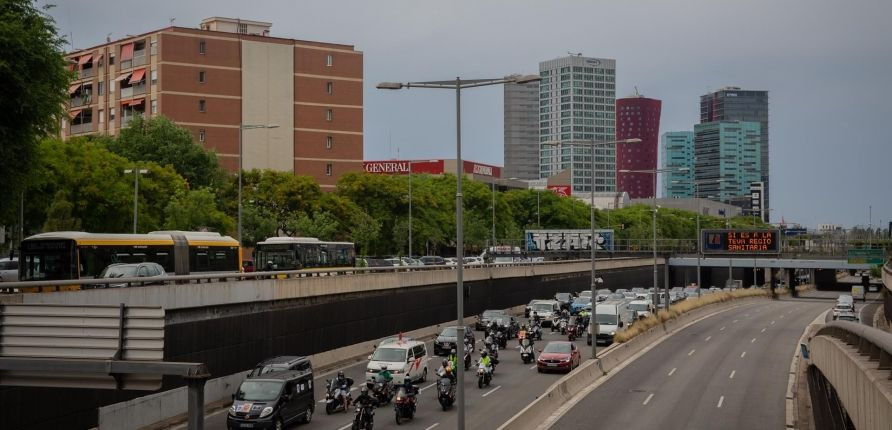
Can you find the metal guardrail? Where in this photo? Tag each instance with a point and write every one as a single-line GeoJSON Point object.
{"type": "Point", "coordinates": [887, 276]}
{"type": "Point", "coordinates": [282, 274]}
{"type": "Point", "coordinates": [871, 342]}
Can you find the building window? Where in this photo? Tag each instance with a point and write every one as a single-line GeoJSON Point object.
{"type": "Point", "coordinates": [154, 107]}
{"type": "Point", "coordinates": [111, 58]}
{"type": "Point", "coordinates": [111, 86]}
{"type": "Point", "coordinates": [328, 60]}
{"type": "Point", "coordinates": [100, 88]}
{"type": "Point", "coordinates": [243, 28]}
{"type": "Point", "coordinates": [111, 114]}
{"type": "Point", "coordinates": [101, 116]}
{"type": "Point", "coordinates": [201, 47]}
{"type": "Point", "coordinates": [201, 77]}
{"type": "Point", "coordinates": [328, 115]}
{"type": "Point", "coordinates": [154, 75]}
{"type": "Point", "coordinates": [329, 87]}
{"type": "Point", "coordinates": [201, 106]}
{"type": "Point", "coordinates": [328, 142]}
{"type": "Point", "coordinates": [328, 169]}
{"type": "Point", "coordinates": [201, 135]}
{"type": "Point", "coordinates": [153, 46]}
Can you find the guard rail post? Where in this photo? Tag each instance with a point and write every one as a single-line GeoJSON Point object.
{"type": "Point", "coordinates": [195, 400]}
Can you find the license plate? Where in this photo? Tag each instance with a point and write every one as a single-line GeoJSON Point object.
{"type": "Point", "coordinates": [551, 364]}
{"type": "Point", "coordinates": [246, 425]}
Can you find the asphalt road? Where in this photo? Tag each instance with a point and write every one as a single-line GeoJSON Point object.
{"type": "Point", "coordinates": [728, 371]}
{"type": "Point", "coordinates": [514, 386]}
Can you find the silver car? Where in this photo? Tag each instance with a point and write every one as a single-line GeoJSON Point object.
{"type": "Point", "coordinates": [152, 271]}
{"type": "Point", "coordinates": [9, 269]}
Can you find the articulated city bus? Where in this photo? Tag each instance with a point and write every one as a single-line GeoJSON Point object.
{"type": "Point", "coordinates": [294, 253]}
{"type": "Point", "coordinates": [79, 255]}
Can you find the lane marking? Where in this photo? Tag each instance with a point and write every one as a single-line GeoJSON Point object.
{"type": "Point", "coordinates": [743, 354]}
{"type": "Point", "coordinates": [708, 337]}
{"type": "Point", "coordinates": [731, 376]}
{"type": "Point", "coordinates": [647, 400]}
{"type": "Point", "coordinates": [491, 391]}
{"type": "Point", "coordinates": [346, 427]}
{"type": "Point", "coordinates": [432, 426]}
{"type": "Point", "coordinates": [722, 329]}
{"type": "Point", "coordinates": [772, 323]}
{"type": "Point", "coordinates": [763, 331]}
{"type": "Point", "coordinates": [431, 385]}
{"type": "Point", "coordinates": [721, 400]}
{"type": "Point", "coordinates": [691, 353]}
{"type": "Point", "coordinates": [734, 322]}
{"type": "Point", "coordinates": [746, 315]}
{"type": "Point", "coordinates": [672, 371]}
{"type": "Point", "coordinates": [753, 341]}
{"type": "Point", "coordinates": [782, 316]}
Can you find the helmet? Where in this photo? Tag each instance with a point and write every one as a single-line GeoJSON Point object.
{"type": "Point", "coordinates": [364, 390]}
{"type": "Point", "coordinates": [535, 312]}
{"type": "Point", "coordinates": [483, 353]}
{"type": "Point", "coordinates": [453, 351]}
{"type": "Point", "coordinates": [445, 362]}
{"type": "Point", "coordinates": [340, 374]}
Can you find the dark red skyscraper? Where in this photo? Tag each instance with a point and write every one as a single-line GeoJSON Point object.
{"type": "Point", "coordinates": [637, 117]}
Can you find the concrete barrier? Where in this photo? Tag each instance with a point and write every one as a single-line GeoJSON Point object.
{"type": "Point", "coordinates": [169, 407]}
{"type": "Point", "coordinates": [558, 394]}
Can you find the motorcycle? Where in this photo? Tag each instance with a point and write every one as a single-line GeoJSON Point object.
{"type": "Point", "coordinates": [403, 405]}
{"type": "Point", "coordinates": [526, 351]}
{"type": "Point", "coordinates": [484, 375]}
{"type": "Point", "coordinates": [445, 391]}
{"type": "Point", "coordinates": [381, 390]}
{"type": "Point", "coordinates": [501, 339]}
{"type": "Point", "coordinates": [468, 349]}
{"type": "Point", "coordinates": [536, 331]}
{"type": "Point", "coordinates": [562, 325]}
{"type": "Point", "coordinates": [494, 355]}
{"type": "Point", "coordinates": [572, 332]}
{"type": "Point", "coordinates": [337, 396]}
{"type": "Point", "coordinates": [364, 418]}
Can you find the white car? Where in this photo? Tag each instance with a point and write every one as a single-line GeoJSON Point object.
{"type": "Point", "coordinates": [9, 270]}
{"type": "Point", "coordinates": [403, 358]}
{"type": "Point", "coordinates": [473, 261]}
{"type": "Point", "coordinates": [546, 310]}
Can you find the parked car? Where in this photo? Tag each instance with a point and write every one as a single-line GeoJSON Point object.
{"type": "Point", "coordinates": [403, 358]}
{"type": "Point", "coordinates": [448, 338]}
{"type": "Point", "coordinates": [152, 272]}
{"type": "Point", "coordinates": [558, 356]}
{"type": "Point", "coordinates": [487, 315]}
{"type": "Point", "coordinates": [473, 261]}
{"type": "Point", "coordinates": [281, 363]}
{"type": "Point", "coordinates": [9, 269]}
{"type": "Point", "coordinates": [273, 401]}
{"type": "Point", "coordinates": [433, 260]}
{"type": "Point", "coordinates": [450, 261]}
{"type": "Point", "coordinates": [409, 261]}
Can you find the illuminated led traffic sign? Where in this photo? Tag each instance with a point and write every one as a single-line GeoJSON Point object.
{"type": "Point", "coordinates": [740, 241]}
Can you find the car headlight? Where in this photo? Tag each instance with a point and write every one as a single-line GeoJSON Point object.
{"type": "Point", "coordinates": [612, 333]}
{"type": "Point", "coordinates": [370, 370]}
{"type": "Point", "coordinates": [566, 360]}
{"type": "Point", "coordinates": [232, 409]}
{"type": "Point", "coordinates": [266, 411]}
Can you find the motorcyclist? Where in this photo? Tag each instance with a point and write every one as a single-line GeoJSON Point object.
{"type": "Point", "coordinates": [366, 400]}
{"type": "Point", "coordinates": [485, 361]}
{"type": "Point", "coordinates": [536, 318]}
{"type": "Point", "coordinates": [384, 375]}
{"type": "Point", "coordinates": [453, 358]}
{"type": "Point", "coordinates": [446, 370]}
{"type": "Point", "coordinates": [411, 389]}
{"type": "Point", "coordinates": [344, 383]}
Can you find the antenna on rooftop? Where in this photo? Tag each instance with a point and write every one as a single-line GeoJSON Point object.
{"type": "Point", "coordinates": [637, 94]}
{"type": "Point", "coordinates": [171, 20]}
{"type": "Point", "coordinates": [108, 37]}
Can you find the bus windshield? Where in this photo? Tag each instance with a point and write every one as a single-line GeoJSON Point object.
{"type": "Point", "coordinates": [47, 261]}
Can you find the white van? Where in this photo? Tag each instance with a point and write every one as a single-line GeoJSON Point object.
{"type": "Point", "coordinates": [640, 308]}
{"type": "Point", "coordinates": [402, 358]}
{"type": "Point", "coordinates": [609, 321]}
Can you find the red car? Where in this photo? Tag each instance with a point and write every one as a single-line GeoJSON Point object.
{"type": "Point", "coordinates": [558, 356]}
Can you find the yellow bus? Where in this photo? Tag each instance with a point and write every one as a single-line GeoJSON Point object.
{"type": "Point", "coordinates": [69, 255]}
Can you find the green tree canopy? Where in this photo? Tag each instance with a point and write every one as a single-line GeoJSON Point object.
{"type": "Point", "coordinates": [197, 210]}
{"type": "Point", "coordinates": [35, 79]}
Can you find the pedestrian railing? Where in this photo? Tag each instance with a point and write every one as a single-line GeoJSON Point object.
{"type": "Point", "coordinates": [874, 343]}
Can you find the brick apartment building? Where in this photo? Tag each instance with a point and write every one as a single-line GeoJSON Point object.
{"type": "Point", "coordinates": [230, 72]}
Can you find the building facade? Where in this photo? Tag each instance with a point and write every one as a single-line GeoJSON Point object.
{"type": "Point", "coordinates": [730, 151]}
{"type": "Point", "coordinates": [224, 75]}
{"type": "Point", "coordinates": [736, 104]}
{"type": "Point", "coordinates": [637, 117]}
{"type": "Point", "coordinates": [522, 131]}
{"type": "Point", "coordinates": [705, 206]}
{"type": "Point", "coordinates": [678, 154]}
{"type": "Point", "coordinates": [577, 105]}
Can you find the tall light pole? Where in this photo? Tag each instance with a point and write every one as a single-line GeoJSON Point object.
{"type": "Point", "coordinates": [241, 128]}
{"type": "Point", "coordinates": [136, 173]}
{"type": "Point", "coordinates": [593, 320]}
{"type": "Point", "coordinates": [538, 216]}
{"type": "Point", "coordinates": [493, 214]}
{"type": "Point", "coordinates": [458, 84]}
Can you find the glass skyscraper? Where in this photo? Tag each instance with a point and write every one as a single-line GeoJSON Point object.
{"type": "Point", "coordinates": [577, 104]}
{"type": "Point", "coordinates": [727, 150]}
{"type": "Point", "coordinates": [522, 131]}
{"type": "Point", "coordinates": [678, 153]}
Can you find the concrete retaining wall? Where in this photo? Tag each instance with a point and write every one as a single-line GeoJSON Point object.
{"type": "Point", "coordinates": [562, 391]}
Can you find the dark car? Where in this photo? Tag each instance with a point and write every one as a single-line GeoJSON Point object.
{"type": "Point", "coordinates": [558, 356]}
{"type": "Point", "coordinates": [445, 342]}
{"type": "Point", "coordinates": [509, 324]}
{"type": "Point", "coordinates": [564, 299]}
{"type": "Point", "coordinates": [281, 363]}
{"type": "Point", "coordinates": [272, 401]}
{"type": "Point", "coordinates": [247, 266]}
{"type": "Point", "coordinates": [484, 318]}
{"type": "Point", "coordinates": [433, 260]}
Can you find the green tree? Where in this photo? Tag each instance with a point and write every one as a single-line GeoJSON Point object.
{"type": "Point", "coordinates": [257, 225]}
{"type": "Point", "coordinates": [58, 216]}
{"type": "Point", "coordinates": [321, 225]}
{"type": "Point", "coordinates": [160, 140]}
{"type": "Point", "coordinates": [281, 196]}
{"type": "Point", "coordinates": [35, 79]}
{"type": "Point", "coordinates": [196, 210]}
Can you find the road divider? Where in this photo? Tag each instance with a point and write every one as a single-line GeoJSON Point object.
{"type": "Point", "coordinates": [538, 414]}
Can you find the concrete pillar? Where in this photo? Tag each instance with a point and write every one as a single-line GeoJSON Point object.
{"type": "Point", "coordinates": [772, 281]}
{"type": "Point", "coordinates": [196, 403]}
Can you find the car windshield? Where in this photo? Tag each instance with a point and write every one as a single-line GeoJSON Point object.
{"type": "Point", "coordinates": [269, 368]}
{"type": "Point", "coordinates": [582, 301]}
{"type": "Point", "coordinates": [492, 314]}
{"type": "Point", "coordinates": [606, 319]}
{"type": "Point", "coordinates": [557, 348]}
{"type": "Point", "coordinates": [450, 332]}
{"type": "Point", "coordinates": [638, 306]}
{"type": "Point", "coordinates": [563, 296]}
{"type": "Point", "coordinates": [542, 307]}
{"type": "Point", "coordinates": [585, 293]}
{"type": "Point", "coordinates": [120, 272]}
{"type": "Point", "coordinates": [261, 391]}
{"type": "Point", "coordinates": [501, 320]}
{"type": "Point", "coordinates": [395, 355]}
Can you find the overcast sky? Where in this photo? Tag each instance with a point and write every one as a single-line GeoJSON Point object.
{"type": "Point", "coordinates": [827, 65]}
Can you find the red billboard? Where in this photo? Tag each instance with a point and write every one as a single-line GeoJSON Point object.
{"type": "Point", "coordinates": [481, 169]}
{"type": "Point", "coordinates": [561, 190]}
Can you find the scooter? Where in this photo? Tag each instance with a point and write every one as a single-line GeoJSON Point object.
{"type": "Point", "coordinates": [484, 375]}
{"type": "Point", "coordinates": [526, 351]}
{"type": "Point", "coordinates": [337, 397]}
{"type": "Point", "coordinates": [468, 349]}
{"type": "Point", "coordinates": [536, 331]}
{"type": "Point", "coordinates": [571, 332]}
{"type": "Point", "coordinates": [445, 391]}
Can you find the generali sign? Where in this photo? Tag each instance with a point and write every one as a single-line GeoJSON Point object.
{"type": "Point", "coordinates": [397, 167]}
{"type": "Point", "coordinates": [404, 167]}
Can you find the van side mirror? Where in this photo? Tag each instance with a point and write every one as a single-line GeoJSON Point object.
{"type": "Point", "coordinates": [233, 397]}
{"type": "Point", "coordinates": [620, 324]}
{"type": "Point", "coordinates": [370, 357]}
{"type": "Point", "coordinates": [410, 360]}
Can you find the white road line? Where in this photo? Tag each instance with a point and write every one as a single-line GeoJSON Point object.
{"type": "Point", "coordinates": [731, 376]}
{"type": "Point", "coordinates": [353, 389]}
{"type": "Point", "coordinates": [782, 315]}
{"type": "Point", "coordinates": [531, 368]}
{"type": "Point", "coordinates": [647, 400]}
{"type": "Point", "coordinates": [691, 353]}
{"type": "Point", "coordinates": [722, 329]}
{"type": "Point", "coordinates": [772, 323]}
{"type": "Point", "coordinates": [708, 337]}
{"type": "Point", "coordinates": [743, 354]}
{"type": "Point", "coordinates": [491, 391]}
{"type": "Point", "coordinates": [672, 371]}
{"type": "Point", "coordinates": [763, 331]}
{"type": "Point", "coordinates": [734, 322]}
{"type": "Point", "coordinates": [432, 426]}
{"type": "Point", "coordinates": [424, 388]}
{"type": "Point", "coordinates": [721, 400]}
{"type": "Point", "coordinates": [346, 427]}
{"type": "Point", "coordinates": [753, 341]}
{"type": "Point", "coordinates": [746, 315]}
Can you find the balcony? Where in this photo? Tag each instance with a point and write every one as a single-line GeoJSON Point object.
{"type": "Point", "coordinates": [86, 73]}
{"type": "Point", "coordinates": [80, 101]}
{"type": "Point", "coordinates": [82, 128]}
{"type": "Point", "coordinates": [134, 90]}
{"type": "Point", "coordinates": [139, 59]}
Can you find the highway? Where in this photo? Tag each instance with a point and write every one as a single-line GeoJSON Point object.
{"type": "Point", "coordinates": [728, 371]}
{"type": "Point", "coordinates": [513, 387]}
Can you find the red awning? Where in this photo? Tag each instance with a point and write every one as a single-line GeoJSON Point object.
{"type": "Point", "coordinates": [127, 51]}
{"type": "Point", "coordinates": [85, 59]}
{"type": "Point", "coordinates": [73, 88]}
{"type": "Point", "coordinates": [74, 113]}
{"type": "Point", "coordinates": [122, 77]}
{"type": "Point", "coordinates": [137, 76]}
{"type": "Point", "coordinates": [134, 102]}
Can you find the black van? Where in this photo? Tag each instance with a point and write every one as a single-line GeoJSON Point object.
{"type": "Point", "coordinates": [272, 401]}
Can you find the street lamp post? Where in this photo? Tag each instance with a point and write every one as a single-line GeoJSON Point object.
{"type": "Point", "coordinates": [593, 242]}
{"type": "Point", "coordinates": [538, 216]}
{"type": "Point", "coordinates": [241, 128]}
{"type": "Point", "coordinates": [493, 213]}
{"type": "Point", "coordinates": [458, 84]}
{"type": "Point", "coordinates": [136, 173]}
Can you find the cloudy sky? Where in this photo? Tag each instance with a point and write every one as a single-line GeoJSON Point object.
{"type": "Point", "coordinates": [826, 63]}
